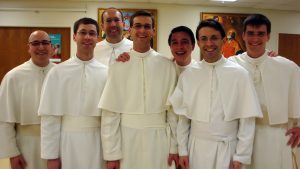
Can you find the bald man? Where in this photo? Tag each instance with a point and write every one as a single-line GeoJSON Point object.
{"type": "Point", "coordinates": [19, 100]}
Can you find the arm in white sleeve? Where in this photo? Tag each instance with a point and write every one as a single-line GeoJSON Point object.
{"type": "Point", "coordinates": [245, 140]}
{"type": "Point", "coordinates": [172, 119]}
{"type": "Point", "coordinates": [50, 137]}
{"type": "Point", "coordinates": [111, 135]}
{"type": "Point", "coordinates": [183, 131]}
{"type": "Point", "coordinates": [8, 143]}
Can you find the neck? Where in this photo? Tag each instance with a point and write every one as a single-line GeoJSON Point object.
{"type": "Point", "coordinates": [141, 48]}
{"type": "Point", "coordinates": [212, 60]}
{"type": "Point", "coordinates": [114, 40]}
{"type": "Point", "coordinates": [40, 64]}
{"type": "Point", "coordinates": [85, 56]}
{"type": "Point", "coordinates": [184, 62]}
{"type": "Point", "coordinates": [255, 54]}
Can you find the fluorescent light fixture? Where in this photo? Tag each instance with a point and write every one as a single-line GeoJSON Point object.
{"type": "Point", "coordinates": [224, 0]}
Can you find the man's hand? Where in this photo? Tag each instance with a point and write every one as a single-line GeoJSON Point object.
{"type": "Point", "coordinates": [175, 158]}
{"type": "Point", "coordinates": [124, 57]}
{"type": "Point", "coordinates": [113, 164]}
{"type": "Point", "coordinates": [184, 162]}
{"type": "Point", "coordinates": [236, 165]}
{"type": "Point", "coordinates": [54, 164]}
{"type": "Point", "coordinates": [272, 53]}
{"type": "Point", "coordinates": [18, 162]}
{"type": "Point", "coordinates": [295, 136]}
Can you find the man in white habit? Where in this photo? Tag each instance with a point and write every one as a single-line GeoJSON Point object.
{"type": "Point", "coordinates": [70, 118]}
{"type": "Point", "coordinates": [138, 125]}
{"type": "Point", "coordinates": [277, 83]}
{"type": "Point", "coordinates": [114, 44]}
{"type": "Point", "coordinates": [217, 105]}
{"type": "Point", "coordinates": [19, 100]}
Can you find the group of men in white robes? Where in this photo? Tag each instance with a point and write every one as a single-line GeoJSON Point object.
{"type": "Point", "coordinates": [145, 117]}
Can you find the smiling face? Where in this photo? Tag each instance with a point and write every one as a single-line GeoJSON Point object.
{"type": "Point", "coordinates": [86, 39]}
{"type": "Point", "coordinates": [210, 43]}
{"type": "Point", "coordinates": [181, 47]}
{"type": "Point", "coordinates": [256, 38]}
{"type": "Point", "coordinates": [40, 48]}
{"type": "Point", "coordinates": [141, 33]}
{"type": "Point", "coordinates": [112, 25]}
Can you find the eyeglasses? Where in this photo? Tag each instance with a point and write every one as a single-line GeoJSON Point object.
{"type": "Point", "coordinates": [90, 33]}
{"type": "Point", "coordinates": [140, 26]}
{"type": "Point", "coordinates": [38, 43]}
{"type": "Point", "coordinates": [213, 38]}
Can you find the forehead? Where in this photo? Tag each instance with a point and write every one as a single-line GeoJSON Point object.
{"type": "Point", "coordinates": [180, 35]}
{"type": "Point", "coordinates": [38, 36]}
{"type": "Point", "coordinates": [87, 27]}
{"type": "Point", "coordinates": [111, 13]}
{"type": "Point", "coordinates": [208, 31]}
{"type": "Point", "coordinates": [260, 28]}
{"type": "Point", "coordinates": [142, 20]}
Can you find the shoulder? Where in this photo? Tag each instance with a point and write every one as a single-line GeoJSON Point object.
{"type": "Point", "coordinates": [279, 60]}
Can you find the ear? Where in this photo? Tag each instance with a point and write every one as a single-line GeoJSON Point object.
{"type": "Point", "coordinates": [268, 36]}
{"type": "Point", "coordinates": [74, 37]}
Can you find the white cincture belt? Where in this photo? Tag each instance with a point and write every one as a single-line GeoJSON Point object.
{"type": "Point", "coordinates": [79, 123]}
{"type": "Point", "coordinates": [29, 130]}
{"type": "Point", "coordinates": [222, 132]}
{"type": "Point", "coordinates": [156, 120]}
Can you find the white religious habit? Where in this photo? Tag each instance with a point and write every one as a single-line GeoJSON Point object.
{"type": "Point", "coordinates": [138, 125]}
{"type": "Point", "coordinates": [277, 83]}
{"type": "Point", "coordinates": [70, 118]}
{"type": "Point", "coordinates": [106, 53]}
{"type": "Point", "coordinates": [216, 104]}
{"type": "Point", "coordinates": [19, 123]}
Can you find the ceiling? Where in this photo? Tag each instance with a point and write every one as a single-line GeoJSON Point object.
{"type": "Point", "coordinates": [291, 5]}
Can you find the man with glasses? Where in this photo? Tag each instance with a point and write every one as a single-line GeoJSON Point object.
{"type": "Point", "coordinates": [70, 119]}
{"type": "Point", "coordinates": [19, 100]}
{"type": "Point", "coordinates": [217, 106]}
{"type": "Point", "coordinates": [277, 83]}
{"type": "Point", "coordinates": [138, 126]}
{"type": "Point", "coordinates": [114, 43]}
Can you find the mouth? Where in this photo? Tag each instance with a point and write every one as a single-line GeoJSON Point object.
{"type": "Point", "coordinates": [180, 53]}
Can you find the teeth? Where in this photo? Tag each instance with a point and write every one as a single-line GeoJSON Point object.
{"type": "Point", "coordinates": [179, 53]}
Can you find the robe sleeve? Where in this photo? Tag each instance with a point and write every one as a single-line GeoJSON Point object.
{"type": "Point", "coordinates": [50, 137]}
{"type": "Point", "coordinates": [245, 140]}
{"type": "Point", "coordinates": [172, 119]}
{"type": "Point", "coordinates": [183, 130]}
{"type": "Point", "coordinates": [8, 143]}
{"type": "Point", "coordinates": [111, 135]}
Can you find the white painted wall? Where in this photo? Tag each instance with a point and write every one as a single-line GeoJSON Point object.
{"type": "Point", "coordinates": [169, 16]}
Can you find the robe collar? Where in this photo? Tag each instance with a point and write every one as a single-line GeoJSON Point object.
{"type": "Point", "coordinates": [114, 45]}
{"type": "Point", "coordinates": [218, 62]}
{"type": "Point", "coordinates": [83, 62]}
{"type": "Point", "coordinates": [256, 61]}
{"type": "Point", "coordinates": [36, 67]}
{"type": "Point", "coordinates": [141, 55]}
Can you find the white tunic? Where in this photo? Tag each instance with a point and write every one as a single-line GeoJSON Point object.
{"type": "Point", "coordinates": [70, 117]}
{"type": "Point", "coordinates": [106, 52]}
{"type": "Point", "coordinates": [277, 82]}
{"type": "Point", "coordinates": [137, 119]}
{"type": "Point", "coordinates": [217, 103]}
{"type": "Point", "coordinates": [19, 99]}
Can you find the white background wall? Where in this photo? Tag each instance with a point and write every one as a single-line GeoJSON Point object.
{"type": "Point", "coordinates": [169, 16]}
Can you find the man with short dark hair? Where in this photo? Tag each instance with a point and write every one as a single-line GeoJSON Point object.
{"type": "Point", "coordinates": [70, 119]}
{"type": "Point", "coordinates": [19, 100]}
{"type": "Point", "coordinates": [217, 106]}
{"type": "Point", "coordinates": [277, 83]}
{"type": "Point", "coordinates": [138, 125]}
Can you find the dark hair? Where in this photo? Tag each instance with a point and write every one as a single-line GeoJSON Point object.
{"type": "Point", "coordinates": [182, 29]}
{"type": "Point", "coordinates": [85, 21]}
{"type": "Point", "coordinates": [102, 19]}
{"type": "Point", "coordinates": [212, 24]}
{"type": "Point", "coordinates": [257, 20]}
{"type": "Point", "coordinates": [141, 13]}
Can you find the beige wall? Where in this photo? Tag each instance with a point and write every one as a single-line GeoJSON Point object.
{"type": "Point", "coordinates": [4, 164]}
{"type": "Point", "coordinates": [169, 16]}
